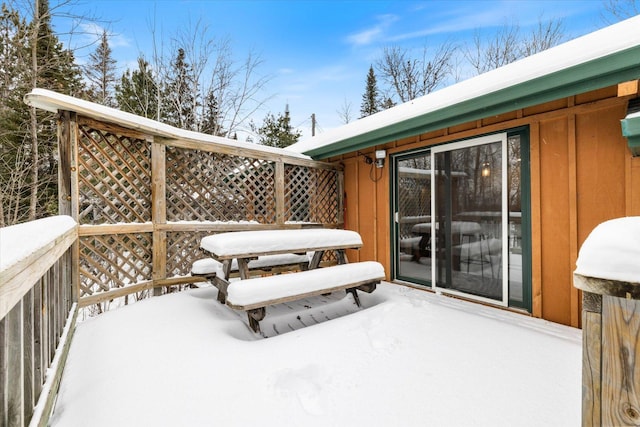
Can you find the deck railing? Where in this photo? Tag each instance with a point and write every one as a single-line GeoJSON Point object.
{"type": "Point", "coordinates": [37, 315]}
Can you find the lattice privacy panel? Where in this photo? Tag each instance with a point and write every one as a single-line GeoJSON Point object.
{"type": "Point", "coordinates": [310, 195]}
{"type": "Point", "coordinates": [114, 261]}
{"type": "Point", "coordinates": [114, 177]}
{"type": "Point", "coordinates": [203, 186]}
{"type": "Point", "coordinates": [183, 248]}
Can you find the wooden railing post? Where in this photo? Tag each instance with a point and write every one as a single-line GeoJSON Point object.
{"type": "Point", "coordinates": [68, 203]}
{"type": "Point", "coordinates": [158, 211]}
{"type": "Point", "coordinates": [610, 352]}
{"type": "Point", "coordinates": [280, 199]}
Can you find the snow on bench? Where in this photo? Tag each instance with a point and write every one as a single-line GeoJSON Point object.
{"type": "Point", "coordinates": [253, 295]}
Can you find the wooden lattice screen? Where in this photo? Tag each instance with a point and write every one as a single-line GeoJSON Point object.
{"type": "Point", "coordinates": [144, 201]}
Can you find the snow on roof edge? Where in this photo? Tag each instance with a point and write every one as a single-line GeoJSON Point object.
{"type": "Point", "coordinates": [592, 46]}
{"type": "Point", "coordinates": [53, 101]}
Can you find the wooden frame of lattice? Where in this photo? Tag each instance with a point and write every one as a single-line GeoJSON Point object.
{"type": "Point", "coordinates": [144, 201]}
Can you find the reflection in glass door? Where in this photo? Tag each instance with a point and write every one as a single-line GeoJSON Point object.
{"type": "Point", "coordinates": [413, 217]}
{"type": "Point", "coordinates": [469, 218]}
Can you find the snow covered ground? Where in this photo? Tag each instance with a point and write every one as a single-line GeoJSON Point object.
{"type": "Point", "coordinates": [409, 358]}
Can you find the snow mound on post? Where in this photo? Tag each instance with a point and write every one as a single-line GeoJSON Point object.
{"type": "Point", "coordinates": [612, 251]}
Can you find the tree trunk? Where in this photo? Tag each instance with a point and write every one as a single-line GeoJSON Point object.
{"type": "Point", "coordinates": [33, 129]}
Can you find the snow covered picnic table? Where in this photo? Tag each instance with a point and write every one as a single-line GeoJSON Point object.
{"type": "Point", "coordinates": [254, 294]}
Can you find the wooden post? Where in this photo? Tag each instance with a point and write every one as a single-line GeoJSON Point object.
{"type": "Point", "coordinates": [280, 199]}
{"type": "Point", "coordinates": [68, 198]}
{"type": "Point", "coordinates": [159, 211]}
{"type": "Point", "coordinates": [610, 352]}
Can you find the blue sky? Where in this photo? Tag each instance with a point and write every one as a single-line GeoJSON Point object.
{"type": "Point", "coordinates": [319, 52]}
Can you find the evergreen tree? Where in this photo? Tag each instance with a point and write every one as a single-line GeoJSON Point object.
{"type": "Point", "coordinates": [101, 73]}
{"type": "Point", "coordinates": [277, 131]}
{"type": "Point", "coordinates": [211, 118]}
{"type": "Point", "coordinates": [137, 91]}
{"type": "Point", "coordinates": [370, 99]}
{"type": "Point", "coordinates": [180, 107]}
{"type": "Point", "coordinates": [14, 118]}
{"type": "Point", "coordinates": [53, 67]}
{"type": "Point", "coordinates": [388, 103]}
{"type": "Point", "coordinates": [32, 56]}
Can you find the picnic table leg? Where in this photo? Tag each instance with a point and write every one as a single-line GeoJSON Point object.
{"type": "Point", "coordinates": [243, 268]}
{"type": "Point", "coordinates": [354, 292]}
{"type": "Point", "coordinates": [255, 316]}
{"type": "Point", "coordinates": [342, 256]}
{"type": "Point", "coordinates": [315, 261]}
{"type": "Point", "coordinates": [222, 285]}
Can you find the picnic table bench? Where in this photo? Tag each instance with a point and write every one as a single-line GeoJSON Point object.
{"type": "Point", "coordinates": [260, 247]}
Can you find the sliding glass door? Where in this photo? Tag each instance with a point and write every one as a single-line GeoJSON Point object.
{"type": "Point", "coordinates": [458, 219]}
{"type": "Point", "coordinates": [469, 218]}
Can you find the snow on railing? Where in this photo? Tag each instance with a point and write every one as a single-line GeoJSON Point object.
{"type": "Point", "coordinates": [37, 315]}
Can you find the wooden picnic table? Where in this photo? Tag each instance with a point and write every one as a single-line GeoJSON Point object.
{"type": "Point", "coordinates": [254, 294]}
{"type": "Point", "coordinates": [245, 246]}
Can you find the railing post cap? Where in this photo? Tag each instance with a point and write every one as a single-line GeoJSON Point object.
{"type": "Point", "coordinates": [614, 288]}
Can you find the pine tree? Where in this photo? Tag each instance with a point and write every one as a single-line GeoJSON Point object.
{"type": "Point", "coordinates": [137, 91]}
{"type": "Point", "coordinates": [14, 118]}
{"type": "Point", "coordinates": [53, 67]}
{"type": "Point", "coordinates": [180, 107]}
{"type": "Point", "coordinates": [101, 73]}
{"type": "Point", "coordinates": [211, 117]}
{"type": "Point", "coordinates": [32, 57]}
{"type": "Point", "coordinates": [370, 99]}
{"type": "Point", "coordinates": [388, 103]}
{"type": "Point", "coordinates": [277, 131]}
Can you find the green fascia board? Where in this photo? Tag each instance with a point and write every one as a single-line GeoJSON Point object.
{"type": "Point", "coordinates": [631, 131]}
{"type": "Point", "coordinates": [602, 72]}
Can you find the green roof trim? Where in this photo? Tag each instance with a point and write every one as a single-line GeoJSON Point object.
{"type": "Point", "coordinates": [595, 74]}
{"type": "Point", "coordinates": [631, 131]}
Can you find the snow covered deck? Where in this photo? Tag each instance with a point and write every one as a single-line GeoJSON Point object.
{"type": "Point", "coordinates": [407, 358]}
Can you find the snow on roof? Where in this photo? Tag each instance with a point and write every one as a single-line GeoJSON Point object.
{"type": "Point", "coordinates": [52, 101]}
{"type": "Point", "coordinates": [596, 45]}
{"type": "Point", "coordinates": [612, 251]}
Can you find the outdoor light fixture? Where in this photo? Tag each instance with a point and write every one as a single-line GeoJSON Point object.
{"type": "Point", "coordinates": [380, 156]}
{"type": "Point", "coordinates": [486, 171]}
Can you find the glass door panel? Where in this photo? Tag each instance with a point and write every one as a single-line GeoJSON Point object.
{"type": "Point", "coordinates": [469, 218]}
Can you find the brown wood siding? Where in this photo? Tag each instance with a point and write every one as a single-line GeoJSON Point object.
{"type": "Point", "coordinates": [633, 186]}
{"type": "Point", "coordinates": [582, 174]}
{"type": "Point", "coordinates": [554, 218]}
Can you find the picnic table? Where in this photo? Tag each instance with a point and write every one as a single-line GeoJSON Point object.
{"type": "Point", "coordinates": [258, 247]}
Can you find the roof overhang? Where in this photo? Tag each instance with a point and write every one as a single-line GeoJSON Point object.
{"type": "Point", "coordinates": [604, 58]}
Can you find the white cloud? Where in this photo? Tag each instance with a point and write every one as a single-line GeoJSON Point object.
{"type": "Point", "coordinates": [373, 34]}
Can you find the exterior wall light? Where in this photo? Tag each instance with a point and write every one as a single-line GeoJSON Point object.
{"type": "Point", "coordinates": [380, 156]}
